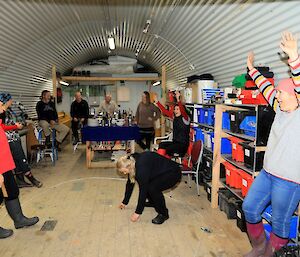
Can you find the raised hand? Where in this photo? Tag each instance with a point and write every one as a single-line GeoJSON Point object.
{"type": "Point", "coordinates": [19, 125]}
{"type": "Point", "coordinates": [250, 60]}
{"type": "Point", "coordinates": [288, 44]}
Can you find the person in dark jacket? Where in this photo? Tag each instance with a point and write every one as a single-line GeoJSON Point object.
{"type": "Point", "coordinates": [181, 129]}
{"type": "Point", "coordinates": [154, 174]}
{"type": "Point", "coordinates": [79, 114]}
{"type": "Point", "coordinates": [9, 191]}
{"type": "Point", "coordinates": [11, 130]}
{"type": "Point", "coordinates": [47, 116]}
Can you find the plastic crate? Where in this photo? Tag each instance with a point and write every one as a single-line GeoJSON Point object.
{"type": "Point", "coordinates": [226, 203]}
{"type": "Point", "coordinates": [225, 144]}
{"type": "Point", "coordinates": [236, 117]}
{"type": "Point", "coordinates": [240, 216]}
{"type": "Point", "coordinates": [229, 169]}
{"type": "Point", "coordinates": [249, 154]}
{"type": "Point", "coordinates": [209, 116]}
{"type": "Point", "coordinates": [207, 165]}
{"type": "Point", "coordinates": [248, 126]}
{"type": "Point", "coordinates": [267, 215]}
{"type": "Point", "coordinates": [199, 134]}
{"type": "Point", "coordinates": [200, 114]}
{"type": "Point", "coordinates": [247, 181]}
{"type": "Point", "coordinates": [207, 141]}
{"type": "Point", "coordinates": [237, 149]}
{"type": "Point", "coordinates": [225, 121]}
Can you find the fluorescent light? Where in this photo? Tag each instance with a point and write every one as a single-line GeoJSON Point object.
{"type": "Point", "coordinates": [156, 83]}
{"type": "Point", "coordinates": [147, 25]}
{"type": "Point", "coordinates": [111, 43]}
{"type": "Point", "coordinates": [64, 83]}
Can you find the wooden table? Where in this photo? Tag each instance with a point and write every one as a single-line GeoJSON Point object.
{"type": "Point", "coordinates": [104, 134]}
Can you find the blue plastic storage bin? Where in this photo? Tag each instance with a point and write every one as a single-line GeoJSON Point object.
{"type": "Point", "coordinates": [199, 134]}
{"type": "Point", "coordinates": [248, 125]}
{"type": "Point", "coordinates": [209, 116]}
{"type": "Point", "coordinates": [267, 215]}
{"type": "Point", "coordinates": [225, 121]}
{"type": "Point", "coordinates": [200, 114]}
{"type": "Point", "coordinates": [225, 144]}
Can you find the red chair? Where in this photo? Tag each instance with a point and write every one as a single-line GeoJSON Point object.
{"type": "Point", "coordinates": [194, 163]}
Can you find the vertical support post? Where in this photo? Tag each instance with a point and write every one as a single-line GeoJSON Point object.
{"type": "Point", "coordinates": [54, 82]}
{"type": "Point", "coordinates": [163, 87]}
{"type": "Point", "coordinates": [217, 156]}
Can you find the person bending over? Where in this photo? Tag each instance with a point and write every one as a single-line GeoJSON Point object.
{"type": "Point", "coordinates": [47, 116]}
{"type": "Point", "coordinates": [278, 182]}
{"type": "Point", "coordinates": [11, 200]}
{"type": "Point", "coordinates": [11, 130]}
{"type": "Point", "coordinates": [181, 129]}
{"type": "Point", "coordinates": [79, 114]}
{"type": "Point", "coordinates": [154, 174]}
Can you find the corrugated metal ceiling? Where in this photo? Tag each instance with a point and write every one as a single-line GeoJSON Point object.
{"type": "Point", "coordinates": [213, 35]}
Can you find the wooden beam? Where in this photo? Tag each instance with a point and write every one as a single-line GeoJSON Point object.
{"type": "Point", "coordinates": [163, 88]}
{"type": "Point", "coordinates": [54, 81]}
{"type": "Point", "coordinates": [217, 156]}
{"type": "Point", "coordinates": [75, 78]}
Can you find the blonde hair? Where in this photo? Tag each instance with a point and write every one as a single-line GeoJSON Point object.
{"type": "Point", "coordinates": [127, 162]}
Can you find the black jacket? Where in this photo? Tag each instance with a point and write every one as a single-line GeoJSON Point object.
{"type": "Point", "coordinates": [80, 110]}
{"type": "Point", "coordinates": [148, 166]}
{"type": "Point", "coordinates": [181, 130]}
{"type": "Point", "coordinates": [46, 111]}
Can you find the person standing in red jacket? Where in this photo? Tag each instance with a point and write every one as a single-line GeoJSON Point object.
{"type": "Point", "coordinates": [8, 182]}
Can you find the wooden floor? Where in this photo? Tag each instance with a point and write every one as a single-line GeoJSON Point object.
{"type": "Point", "coordinates": [84, 204]}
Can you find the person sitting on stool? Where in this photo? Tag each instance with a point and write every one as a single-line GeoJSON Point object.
{"type": "Point", "coordinates": [79, 114]}
{"type": "Point", "coordinates": [11, 130]}
{"type": "Point", "coordinates": [47, 116]}
{"type": "Point", "coordinates": [181, 129]}
{"type": "Point", "coordinates": [154, 174]}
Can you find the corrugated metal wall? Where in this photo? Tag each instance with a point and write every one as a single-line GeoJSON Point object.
{"type": "Point", "coordinates": [215, 36]}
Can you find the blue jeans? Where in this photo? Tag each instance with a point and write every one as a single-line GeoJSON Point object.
{"type": "Point", "coordinates": [283, 195]}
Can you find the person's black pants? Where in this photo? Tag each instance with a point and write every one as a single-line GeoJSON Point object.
{"type": "Point", "coordinates": [174, 147]}
{"type": "Point", "coordinates": [11, 187]}
{"type": "Point", "coordinates": [148, 135]}
{"type": "Point", "coordinates": [22, 165]}
{"type": "Point", "coordinates": [75, 127]}
{"type": "Point", "coordinates": [160, 184]}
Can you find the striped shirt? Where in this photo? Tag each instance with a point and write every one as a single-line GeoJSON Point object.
{"type": "Point", "coordinates": [282, 157]}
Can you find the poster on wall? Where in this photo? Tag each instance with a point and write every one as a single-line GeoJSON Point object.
{"type": "Point", "coordinates": [123, 94]}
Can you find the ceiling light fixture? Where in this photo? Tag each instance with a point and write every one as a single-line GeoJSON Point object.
{"type": "Point", "coordinates": [111, 43]}
{"type": "Point", "coordinates": [156, 83]}
{"type": "Point", "coordinates": [147, 26]}
{"type": "Point", "coordinates": [64, 83]}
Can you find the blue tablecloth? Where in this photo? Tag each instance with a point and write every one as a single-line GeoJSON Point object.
{"type": "Point", "coordinates": [112, 133]}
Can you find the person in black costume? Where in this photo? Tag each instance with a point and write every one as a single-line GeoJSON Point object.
{"type": "Point", "coordinates": [154, 174]}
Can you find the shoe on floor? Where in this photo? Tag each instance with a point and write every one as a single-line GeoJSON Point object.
{"type": "Point", "coordinates": [34, 181]}
{"type": "Point", "coordinates": [5, 233]}
{"type": "Point", "coordinates": [160, 219]}
{"type": "Point", "coordinates": [21, 182]}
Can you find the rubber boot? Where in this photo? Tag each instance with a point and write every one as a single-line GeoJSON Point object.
{"type": "Point", "coordinates": [21, 181]}
{"type": "Point", "coordinates": [15, 212]}
{"type": "Point", "coordinates": [4, 233]}
{"type": "Point", "coordinates": [275, 243]}
{"type": "Point", "coordinates": [257, 236]}
{"type": "Point", "coordinates": [34, 181]}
